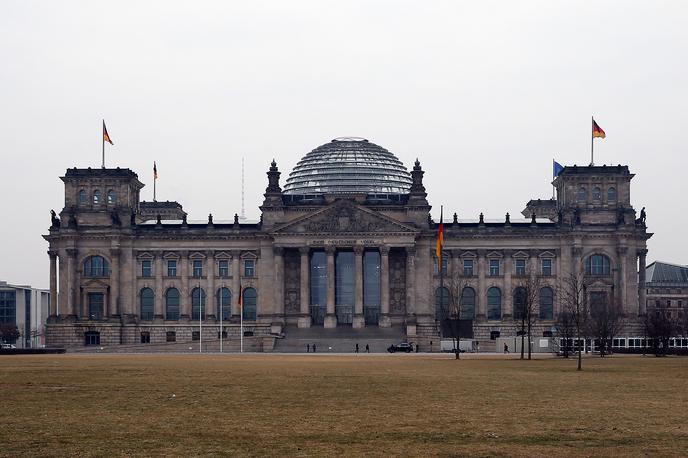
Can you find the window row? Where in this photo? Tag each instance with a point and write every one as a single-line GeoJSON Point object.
{"type": "Point", "coordinates": [496, 266]}
{"type": "Point", "coordinates": [96, 197]}
{"type": "Point", "coordinates": [582, 195]}
{"type": "Point", "coordinates": [197, 265]}
{"type": "Point", "coordinates": [467, 303]}
{"type": "Point", "coordinates": [223, 304]}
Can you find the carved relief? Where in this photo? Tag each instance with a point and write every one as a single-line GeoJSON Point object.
{"type": "Point", "coordinates": [292, 279]}
{"type": "Point", "coordinates": [397, 281]}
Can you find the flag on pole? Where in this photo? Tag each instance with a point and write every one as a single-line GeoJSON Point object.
{"type": "Point", "coordinates": [440, 242]}
{"type": "Point", "coordinates": [557, 168]}
{"type": "Point", "coordinates": [240, 302]}
{"type": "Point", "coordinates": [597, 131]}
{"type": "Point", "coordinates": [106, 137]}
{"type": "Point", "coordinates": [155, 171]}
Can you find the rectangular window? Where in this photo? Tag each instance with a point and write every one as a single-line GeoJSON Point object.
{"type": "Point", "coordinates": [520, 267]}
{"type": "Point", "coordinates": [249, 267]}
{"type": "Point", "coordinates": [468, 267]}
{"type": "Point", "coordinates": [547, 267]}
{"type": "Point", "coordinates": [223, 268]}
{"type": "Point", "coordinates": [197, 268]}
{"type": "Point", "coordinates": [92, 338]}
{"type": "Point", "coordinates": [171, 268]}
{"type": "Point", "coordinates": [494, 267]}
{"type": "Point", "coordinates": [145, 337]}
{"type": "Point", "coordinates": [171, 336]}
{"type": "Point", "coordinates": [96, 302]}
{"type": "Point", "coordinates": [195, 335]}
{"type": "Point", "coordinates": [147, 268]}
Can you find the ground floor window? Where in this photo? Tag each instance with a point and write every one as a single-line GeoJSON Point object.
{"type": "Point", "coordinates": [195, 335]}
{"type": "Point", "coordinates": [145, 337]}
{"type": "Point", "coordinates": [224, 334]}
{"type": "Point", "coordinates": [92, 338]}
{"type": "Point", "coordinates": [171, 336]}
{"type": "Point", "coordinates": [95, 306]}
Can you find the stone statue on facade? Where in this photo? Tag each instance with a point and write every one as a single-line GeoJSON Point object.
{"type": "Point", "coordinates": [54, 220]}
{"type": "Point", "coordinates": [72, 221]}
{"type": "Point", "coordinates": [641, 221]}
{"type": "Point", "coordinates": [115, 218]}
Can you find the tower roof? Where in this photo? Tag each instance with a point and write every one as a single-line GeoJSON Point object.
{"type": "Point", "coordinates": [349, 165]}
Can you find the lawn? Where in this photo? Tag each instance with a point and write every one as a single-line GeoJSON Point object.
{"type": "Point", "coordinates": [325, 405]}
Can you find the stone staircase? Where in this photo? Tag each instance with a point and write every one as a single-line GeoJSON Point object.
{"type": "Point", "coordinates": [487, 346]}
{"type": "Point", "coordinates": [338, 340]}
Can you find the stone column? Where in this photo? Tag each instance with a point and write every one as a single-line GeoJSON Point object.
{"type": "Point", "coordinates": [304, 294]}
{"type": "Point", "coordinates": [159, 293]}
{"type": "Point", "coordinates": [278, 254]}
{"type": "Point", "coordinates": [359, 319]}
{"type": "Point", "coordinates": [481, 298]}
{"type": "Point", "coordinates": [185, 306]}
{"type": "Point", "coordinates": [71, 283]}
{"type": "Point", "coordinates": [53, 283]}
{"type": "Point", "coordinates": [642, 290]}
{"type": "Point", "coordinates": [384, 321]}
{"type": "Point", "coordinates": [410, 280]}
{"type": "Point", "coordinates": [236, 282]}
{"type": "Point", "coordinates": [210, 299]}
{"type": "Point", "coordinates": [621, 293]}
{"type": "Point", "coordinates": [113, 302]}
{"type": "Point", "coordinates": [330, 317]}
{"type": "Point", "coordinates": [577, 259]}
{"type": "Point", "coordinates": [507, 296]}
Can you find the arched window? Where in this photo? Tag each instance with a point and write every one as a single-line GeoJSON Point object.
{"type": "Point", "coordinates": [249, 307]}
{"type": "Point", "coordinates": [611, 194]}
{"type": "Point", "coordinates": [494, 304]}
{"type": "Point", "coordinates": [96, 266]}
{"type": "Point", "coordinates": [224, 302]}
{"type": "Point", "coordinates": [172, 304]}
{"type": "Point", "coordinates": [147, 304]}
{"type": "Point", "coordinates": [596, 193]}
{"type": "Point", "coordinates": [96, 197]}
{"type": "Point", "coordinates": [546, 303]}
{"type": "Point", "coordinates": [83, 198]}
{"type": "Point", "coordinates": [467, 304]}
{"type": "Point", "coordinates": [441, 303]}
{"type": "Point", "coordinates": [597, 264]}
{"type": "Point", "coordinates": [197, 303]}
{"type": "Point", "coordinates": [582, 194]}
{"type": "Point", "coordinates": [112, 197]}
{"type": "Point", "coordinates": [520, 298]}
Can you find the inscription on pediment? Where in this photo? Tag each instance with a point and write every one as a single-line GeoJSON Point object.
{"type": "Point", "coordinates": [345, 218]}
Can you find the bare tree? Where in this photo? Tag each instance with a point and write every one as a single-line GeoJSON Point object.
{"type": "Point", "coordinates": [573, 297]}
{"type": "Point", "coordinates": [450, 321]}
{"type": "Point", "coordinates": [526, 301]}
{"type": "Point", "coordinates": [606, 320]}
{"type": "Point", "coordinates": [566, 330]}
{"type": "Point", "coordinates": [660, 327]}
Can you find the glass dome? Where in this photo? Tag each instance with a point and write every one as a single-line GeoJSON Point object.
{"type": "Point", "coordinates": [349, 165]}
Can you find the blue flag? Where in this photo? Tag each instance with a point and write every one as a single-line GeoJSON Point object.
{"type": "Point", "coordinates": [557, 168]}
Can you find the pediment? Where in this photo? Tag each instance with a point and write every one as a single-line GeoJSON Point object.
{"type": "Point", "coordinates": [345, 217]}
{"type": "Point", "coordinates": [223, 255]}
{"type": "Point", "coordinates": [546, 254]}
{"type": "Point", "coordinates": [197, 255]}
{"type": "Point", "coordinates": [494, 254]}
{"type": "Point", "coordinates": [468, 254]}
{"type": "Point", "coordinates": [521, 254]}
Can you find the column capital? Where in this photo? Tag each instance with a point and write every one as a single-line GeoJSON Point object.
{"type": "Point", "coordinates": [304, 250]}
{"type": "Point", "coordinates": [358, 249]}
{"type": "Point", "coordinates": [622, 250]}
{"type": "Point", "coordinates": [72, 252]}
{"type": "Point", "coordinates": [384, 250]}
{"type": "Point", "coordinates": [210, 253]}
{"type": "Point", "coordinates": [278, 250]}
{"type": "Point", "coordinates": [115, 252]}
{"type": "Point", "coordinates": [481, 253]}
{"type": "Point", "coordinates": [577, 250]}
{"type": "Point", "coordinates": [329, 249]}
{"type": "Point", "coordinates": [508, 253]}
{"type": "Point", "coordinates": [184, 253]}
{"type": "Point", "coordinates": [235, 253]}
{"type": "Point", "coordinates": [643, 252]}
{"type": "Point", "coordinates": [410, 251]}
{"type": "Point", "coordinates": [52, 254]}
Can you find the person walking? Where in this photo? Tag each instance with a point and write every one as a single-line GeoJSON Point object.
{"type": "Point", "coordinates": [357, 347]}
{"type": "Point", "coordinates": [367, 348]}
{"type": "Point", "coordinates": [308, 348]}
{"type": "Point", "coordinates": [313, 348]}
{"type": "Point", "coordinates": [506, 348]}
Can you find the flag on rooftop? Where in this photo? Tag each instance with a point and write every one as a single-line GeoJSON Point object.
{"type": "Point", "coordinates": [557, 168]}
{"type": "Point", "coordinates": [106, 137]}
{"type": "Point", "coordinates": [440, 242]}
{"type": "Point", "coordinates": [155, 171]}
{"type": "Point", "coordinates": [597, 131]}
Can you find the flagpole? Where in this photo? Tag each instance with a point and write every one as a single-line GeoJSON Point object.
{"type": "Point", "coordinates": [241, 319]}
{"type": "Point", "coordinates": [440, 265]}
{"type": "Point", "coordinates": [222, 311]}
{"type": "Point", "coordinates": [155, 179]}
{"type": "Point", "coordinates": [592, 142]}
{"type": "Point", "coordinates": [553, 188]}
{"type": "Point", "coordinates": [103, 140]}
{"type": "Point", "coordinates": [200, 319]}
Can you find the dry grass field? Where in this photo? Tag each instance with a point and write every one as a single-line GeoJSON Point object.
{"type": "Point", "coordinates": [324, 405]}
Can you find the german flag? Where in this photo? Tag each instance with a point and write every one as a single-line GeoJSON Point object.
{"type": "Point", "coordinates": [440, 242]}
{"type": "Point", "coordinates": [155, 171]}
{"type": "Point", "coordinates": [597, 131]}
{"type": "Point", "coordinates": [106, 137]}
{"type": "Point", "coordinates": [240, 302]}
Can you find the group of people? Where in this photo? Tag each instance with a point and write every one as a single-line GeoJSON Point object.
{"type": "Point", "coordinates": [312, 348]}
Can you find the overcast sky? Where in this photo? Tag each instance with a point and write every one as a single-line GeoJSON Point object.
{"type": "Point", "coordinates": [484, 93]}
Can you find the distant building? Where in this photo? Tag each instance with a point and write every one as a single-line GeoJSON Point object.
{"type": "Point", "coordinates": [27, 308]}
{"type": "Point", "coordinates": [348, 242]}
{"type": "Point", "coordinates": [667, 288]}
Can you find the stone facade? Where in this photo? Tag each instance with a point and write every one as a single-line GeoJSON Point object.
{"type": "Point", "coordinates": [116, 275]}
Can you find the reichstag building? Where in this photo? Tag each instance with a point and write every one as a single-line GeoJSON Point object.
{"type": "Point", "coordinates": [346, 241]}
